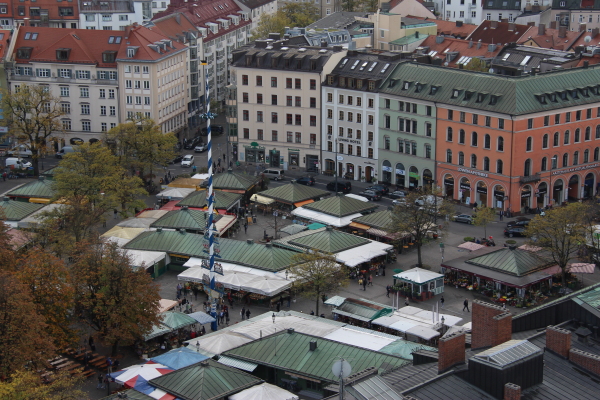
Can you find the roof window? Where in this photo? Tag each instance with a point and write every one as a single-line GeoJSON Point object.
{"type": "Point", "coordinates": [541, 98]}
{"type": "Point", "coordinates": [456, 93]}
{"type": "Point", "coordinates": [468, 95]}
{"type": "Point", "coordinates": [419, 87]}
{"type": "Point", "coordinates": [481, 97]}
{"type": "Point", "coordinates": [574, 94]}
{"type": "Point", "coordinates": [406, 85]}
{"type": "Point", "coordinates": [563, 95]}
{"type": "Point", "coordinates": [24, 52]}
{"type": "Point", "coordinates": [131, 51]}
{"type": "Point", "coordinates": [584, 92]}
{"type": "Point", "coordinates": [433, 90]}
{"type": "Point", "coordinates": [62, 54]}
{"type": "Point", "coordinates": [552, 97]}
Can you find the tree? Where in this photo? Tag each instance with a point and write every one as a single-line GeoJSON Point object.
{"type": "Point", "coordinates": [112, 298]}
{"type": "Point", "coordinates": [483, 217]}
{"type": "Point", "coordinates": [560, 233]}
{"type": "Point", "coordinates": [317, 274]}
{"type": "Point", "coordinates": [418, 216]}
{"type": "Point", "coordinates": [21, 327]}
{"type": "Point", "coordinates": [290, 15]}
{"type": "Point", "coordinates": [270, 23]}
{"type": "Point", "coordinates": [349, 5]}
{"type": "Point", "coordinates": [92, 183]}
{"type": "Point", "coordinates": [477, 64]}
{"type": "Point", "coordinates": [33, 115]}
{"type": "Point", "coordinates": [591, 231]}
{"type": "Point", "coordinates": [140, 145]}
{"type": "Point", "coordinates": [27, 385]}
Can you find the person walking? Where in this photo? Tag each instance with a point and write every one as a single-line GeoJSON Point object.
{"type": "Point", "coordinates": [442, 301]}
{"type": "Point", "coordinates": [243, 312]}
{"type": "Point", "coordinates": [388, 289]}
{"type": "Point", "coordinates": [364, 281]}
{"type": "Point", "coordinates": [100, 382]}
{"type": "Point", "coordinates": [246, 227]}
{"type": "Point", "coordinates": [115, 212]}
{"type": "Point", "coordinates": [370, 279]}
{"type": "Point", "coordinates": [501, 215]}
{"type": "Point", "coordinates": [406, 303]}
{"type": "Point", "coordinates": [109, 364]}
{"type": "Point", "coordinates": [466, 305]}
{"type": "Point", "coordinates": [248, 314]}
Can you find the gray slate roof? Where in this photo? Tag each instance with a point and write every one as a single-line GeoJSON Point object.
{"type": "Point", "coordinates": [508, 352]}
{"type": "Point", "coordinates": [284, 58]}
{"type": "Point", "coordinates": [502, 4]}
{"type": "Point", "coordinates": [339, 20]}
{"type": "Point", "coordinates": [365, 66]}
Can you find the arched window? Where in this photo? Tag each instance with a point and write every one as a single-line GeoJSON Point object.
{"type": "Point", "coordinates": [597, 131]}
{"type": "Point", "coordinates": [499, 166]}
{"type": "Point", "coordinates": [567, 138]}
{"type": "Point", "coordinates": [586, 156]}
{"type": "Point", "coordinates": [596, 153]}
{"type": "Point", "coordinates": [461, 158]}
{"type": "Point", "coordinates": [577, 137]}
{"type": "Point", "coordinates": [500, 143]}
{"type": "Point", "coordinates": [487, 141]}
{"type": "Point", "coordinates": [544, 164]}
{"type": "Point", "coordinates": [529, 144]}
{"type": "Point", "coordinates": [588, 133]}
{"type": "Point", "coordinates": [449, 156]}
{"type": "Point", "coordinates": [449, 134]}
{"type": "Point", "coordinates": [556, 139]}
{"type": "Point", "coordinates": [486, 164]}
{"type": "Point", "coordinates": [474, 139]}
{"type": "Point", "coordinates": [527, 169]}
{"type": "Point", "coordinates": [576, 158]}
{"type": "Point", "coordinates": [565, 160]}
{"type": "Point", "coordinates": [461, 136]}
{"type": "Point", "coordinates": [555, 162]}
{"type": "Point", "coordinates": [473, 161]}
{"type": "Point", "coordinates": [545, 141]}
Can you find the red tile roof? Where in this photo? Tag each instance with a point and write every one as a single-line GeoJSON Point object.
{"type": "Point", "coordinates": [550, 39]}
{"type": "Point", "coordinates": [86, 45]}
{"type": "Point", "coordinates": [595, 59]}
{"type": "Point", "coordinates": [461, 46]}
{"type": "Point", "coordinates": [51, 5]}
{"type": "Point", "coordinates": [595, 40]}
{"type": "Point", "coordinates": [503, 32]}
{"type": "Point", "coordinates": [142, 37]}
{"type": "Point", "coordinates": [449, 28]}
{"type": "Point", "coordinates": [173, 25]}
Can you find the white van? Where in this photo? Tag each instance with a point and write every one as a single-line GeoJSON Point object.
{"type": "Point", "coordinates": [20, 150]}
{"type": "Point", "coordinates": [64, 151]}
{"type": "Point", "coordinates": [273, 173]}
{"type": "Point", "coordinates": [17, 163]}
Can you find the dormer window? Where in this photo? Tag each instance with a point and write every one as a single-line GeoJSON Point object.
{"type": "Point", "coordinates": [574, 94]}
{"type": "Point", "coordinates": [494, 99]}
{"type": "Point", "coordinates": [594, 89]}
{"type": "Point", "coordinates": [433, 90]}
{"type": "Point", "coordinates": [62, 54]}
{"type": "Point", "coordinates": [406, 85]}
{"type": "Point", "coordinates": [418, 87]}
{"type": "Point", "coordinates": [480, 97]}
{"type": "Point", "coordinates": [109, 57]}
{"type": "Point", "coordinates": [552, 97]}
{"type": "Point", "coordinates": [584, 92]}
{"type": "Point", "coordinates": [468, 95]}
{"type": "Point", "coordinates": [541, 98]}
{"type": "Point", "coordinates": [456, 93]}
{"type": "Point", "coordinates": [563, 95]}
{"type": "Point", "coordinates": [24, 52]}
{"type": "Point", "coordinates": [131, 51]}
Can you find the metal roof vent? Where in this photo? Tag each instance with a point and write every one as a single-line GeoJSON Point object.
{"type": "Point", "coordinates": [268, 245]}
{"type": "Point", "coordinates": [182, 231]}
{"type": "Point", "coordinates": [290, 330]}
{"type": "Point", "coordinates": [312, 346]}
{"type": "Point", "coordinates": [6, 198]}
{"type": "Point", "coordinates": [250, 241]}
{"type": "Point", "coordinates": [158, 229]}
{"type": "Point", "coordinates": [184, 208]}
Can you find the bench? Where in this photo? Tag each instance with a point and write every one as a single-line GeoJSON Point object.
{"type": "Point", "coordinates": [64, 365]}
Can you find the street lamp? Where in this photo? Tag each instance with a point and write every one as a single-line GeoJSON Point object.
{"type": "Point", "coordinates": [273, 317]}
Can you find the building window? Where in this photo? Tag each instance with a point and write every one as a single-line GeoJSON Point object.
{"type": "Point", "coordinates": [259, 98]}
{"type": "Point", "coordinates": [462, 116]}
{"type": "Point", "coordinates": [274, 136]}
{"type": "Point", "coordinates": [313, 102]}
{"type": "Point", "coordinates": [86, 126]}
{"type": "Point", "coordinates": [486, 141]}
{"type": "Point", "coordinates": [568, 117]}
{"type": "Point", "coordinates": [246, 115]}
{"type": "Point", "coordinates": [461, 136]}
{"type": "Point", "coordinates": [298, 119]}
{"type": "Point", "coordinates": [113, 111]}
{"type": "Point", "coordinates": [245, 80]}
{"type": "Point", "coordinates": [427, 151]}
{"type": "Point", "coordinates": [370, 103]}
{"type": "Point", "coordinates": [475, 119]}
{"type": "Point", "coordinates": [273, 99]}
{"type": "Point", "coordinates": [84, 92]}
{"type": "Point", "coordinates": [85, 109]}
{"type": "Point", "coordinates": [473, 161]}
{"type": "Point", "coordinates": [65, 108]}
{"type": "Point", "coordinates": [289, 119]}
{"type": "Point", "coordinates": [449, 156]}
{"type": "Point", "coordinates": [298, 137]}
{"type": "Point", "coordinates": [474, 139]}
{"type": "Point", "coordinates": [298, 102]}
{"type": "Point", "coordinates": [450, 115]}
{"type": "Point", "coordinates": [273, 81]}
{"type": "Point", "coordinates": [428, 129]}
{"type": "Point", "coordinates": [259, 116]}
{"type": "Point", "coordinates": [565, 162]}
{"type": "Point", "coordinates": [297, 83]}
{"type": "Point", "coordinates": [449, 134]}
{"type": "Point", "coordinates": [500, 123]}
{"type": "Point", "coordinates": [461, 158]}
{"type": "Point", "coordinates": [500, 143]}
{"type": "Point", "coordinates": [274, 118]}
{"type": "Point", "coordinates": [577, 137]}
{"type": "Point", "coordinates": [246, 133]}
{"type": "Point", "coordinates": [103, 110]}
{"type": "Point", "coordinates": [313, 84]}
{"type": "Point", "coordinates": [313, 120]}
{"type": "Point", "coordinates": [258, 80]}
{"type": "Point", "coordinates": [64, 91]}
{"type": "Point", "coordinates": [370, 120]}
{"type": "Point", "coordinates": [329, 97]}
{"type": "Point", "coordinates": [259, 134]}
{"type": "Point", "coordinates": [103, 126]}
{"type": "Point", "coordinates": [530, 123]}
{"type": "Point", "coordinates": [566, 137]}
{"type": "Point", "coordinates": [529, 144]}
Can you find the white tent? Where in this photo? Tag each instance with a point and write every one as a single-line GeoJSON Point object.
{"type": "Point", "coordinates": [145, 259]}
{"type": "Point", "coordinates": [196, 262]}
{"type": "Point", "coordinates": [175, 193]}
{"type": "Point", "coordinates": [200, 176]}
{"type": "Point", "coordinates": [418, 275]}
{"type": "Point", "coordinates": [326, 219]}
{"type": "Point", "coordinates": [235, 280]}
{"type": "Point", "coordinates": [357, 197]}
{"type": "Point", "coordinates": [364, 253]}
{"type": "Point", "coordinates": [267, 286]}
{"type": "Point", "coordinates": [219, 343]}
{"type": "Point", "coordinates": [264, 391]}
{"type": "Point", "coordinates": [315, 327]}
{"type": "Point", "coordinates": [137, 222]}
{"type": "Point", "coordinates": [155, 214]}
{"type": "Point", "coordinates": [359, 339]}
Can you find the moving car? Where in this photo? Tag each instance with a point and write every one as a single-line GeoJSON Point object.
{"type": "Point", "coordinates": [17, 163]}
{"type": "Point", "coordinates": [306, 180]}
{"type": "Point", "coordinates": [514, 231]}
{"type": "Point", "coordinates": [371, 195]}
{"type": "Point", "coordinates": [273, 173]}
{"type": "Point", "coordinates": [466, 218]}
{"type": "Point", "coordinates": [191, 143]}
{"type": "Point", "coordinates": [344, 187]}
{"type": "Point", "coordinates": [188, 160]}
{"type": "Point", "coordinates": [381, 188]}
{"type": "Point", "coordinates": [397, 194]}
{"type": "Point", "coordinates": [176, 159]}
{"type": "Point", "coordinates": [214, 130]}
{"type": "Point", "coordinates": [200, 148]}
{"type": "Point", "coordinates": [520, 221]}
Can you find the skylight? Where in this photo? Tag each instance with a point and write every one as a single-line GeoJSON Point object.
{"type": "Point", "coordinates": [505, 56]}
{"type": "Point", "coordinates": [355, 64]}
{"type": "Point", "coordinates": [363, 66]}
{"type": "Point", "coordinates": [385, 68]}
{"type": "Point", "coordinates": [372, 66]}
{"type": "Point", "coordinates": [344, 63]}
{"type": "Point", "coordinates": [525, 60]}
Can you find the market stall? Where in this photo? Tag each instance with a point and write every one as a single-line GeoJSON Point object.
{"type": "Point", "coordinates": [179, 358]}
{"type": "Point", "coordinates": [419, 281]}
{"type": "Point", "coordinates": [264, 391]}
{"type": "Point", "coordinates": [175, 193]}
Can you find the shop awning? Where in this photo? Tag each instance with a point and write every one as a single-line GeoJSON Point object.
{"type": "Point", "coordinates": [354, 316]}
{"type": "Point", "coordinates": [239, 364]}
{"type": "Point", "coordinates": [423, 332]}
{"type": "Point", "coordinates": [157, 330]}
{"type": "Point", "coordinates": [326, 219]}
{"type": "Point", "coordinates": [166, 304]}
{"type": "Point", "coordinates": [202, 317]}
{"type": "Point", "coordinates": [504, 279]}
{"type": "Point", "coordinates": [582, 268]}
{"type": "Point", "coordinates": [335, 301]}
{"type": "Point", "coordinates": [359, 226]}
{"type": "Point", "coordinates": [364, 253]}
{"type": "Point", "coordinates": [302, 203]}
{"type": "Point", "coordinates": [257, 198]}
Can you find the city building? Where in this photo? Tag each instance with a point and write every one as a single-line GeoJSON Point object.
{"type": "Point", "coordinates": [326, 7]}
{"type": "Point", "coordinates": [497, 10]}
{"type": "Point", "coordinates": [328, 37]}
{"type": "Point", "coordinates": [279, 102]}
{"type": "Point", "coordinates": [5, 37]}
{"type": "Point", "coordinates": [576, 15]}
{"type": "Point", "coordinates": [408, 7]}
{"type": "Point", "coordinates": [391, 27]}
{"type": "Point", "coordinates": [350, 114]}
{"type": "Point", "coordinates": [555, 39]}
{"type": "Point", "coordinates": [501, 32]}
{"type": "Point", "coordinates": [457, 53]}
{"type": "Point", "coordinates": [256, 9]}
{"type": "Point", "coordinates": [469, 11]}
{"type": "Point", "coordinates": [113, 14]}
{"type": "Point", "coordinates": [45, 13]}
{"type": "Point", "coordinates": [518, 60]}
{"type": "Point", "coordinates": [158, 6]}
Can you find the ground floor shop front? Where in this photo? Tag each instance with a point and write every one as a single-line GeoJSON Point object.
{"type": "Point", "coordinates": [280, 157]}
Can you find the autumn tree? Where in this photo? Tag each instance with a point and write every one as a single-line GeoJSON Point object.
{"type": "Point", "coordinates": [418, 216]}
{"type": "Point", "coordinates": [290, 15]}
{"type": "Point", "coordinates": [560, 233]}
{"type": "Point", "coordinates": [477, 64]}
{"type": "Point", "coordinates": [119, 302]}
{"type": "Point", "coordinates": [483, 217]}
{"type": "Point", "coordinates": [349, 5]}
{"type": "Point", "coordinates": [316, 274]}
{"type": "Point", "coordinates": [92, 183]}
{"type": "Point", "coordinates": [140, 145]}
{"type": "Point", "coordinates": [33, 115]}
{"type": "Point", "coordinates": [27, 385]}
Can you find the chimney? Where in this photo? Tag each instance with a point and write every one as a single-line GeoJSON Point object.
{"type": "Point", "coordinates": [586, 63]}
{"type": "Point", "coordinates": [470, 43]}
{"type": "Point", "coordinates": [562, 32]}
{"type": "Point", "coordinates": [588, 361]}
{"type": "Point", "coordinates": [492, 325]}
{"type": "Point", "coordinates": [459, 24]}
{"type": "Point", "coordinates": [323, 43]}
{"type": "Point", "coordinates": [451, 351]}
{"type": "Point", "coordinates": [558, 340]}
{"type": "Point", "coordinates": [275, 36]}
{"type": "Point", "coordinates": [439, 39]}
{"type": "Point", "coordinates": [492, 47]}
{"type": "Point", "coordinates": [582, 27]}
{"type": "Point", "coordinates": [512, 26]}
{"type": "Point", "coordinates": [542, 29]}
{"type": "Point", "coordinates": [312, 346]}
{"type": "Point", "coordinates": [594, 32]}
{"type": "Point", "coordinates": [512, 392]}
{"type": "Point", "coordinates": [493, 24]}
{"type": "Point", "coordinates": [478, 44]}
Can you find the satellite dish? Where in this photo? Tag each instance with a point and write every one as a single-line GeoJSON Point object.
{"type": "Point", "coordinates": [341, 369]}
{"type": "Point", "coordinates": [587, 39]}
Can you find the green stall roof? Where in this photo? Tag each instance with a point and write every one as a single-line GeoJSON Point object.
{"type": "Point", "coordinates": [223, 200]}
{"type": "Point", "coordinates": [17, 210]}
{"type": "Point", "coordinates": [514, 262]}
{"type": "Point", "coordinates": [379, 219]}
{"type": "Point", "coordinates": [329, 241]}
{"type": "Point", "coordinates": [40, 188]}
{"type": "Point", "coordinates": [341, 206]}
{"type": "Point", "coordinates": [294, 193]}
{"type": "Point", "coordinates": [184, 218]}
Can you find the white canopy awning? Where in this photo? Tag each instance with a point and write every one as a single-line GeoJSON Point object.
{"type": "Point", "coordinates": [423, 332]}
{"type": "Point", "coordinates": [264, 391]}
{"type": "Point", "coordinates": [146, 259]}
{"type": "Point", "coordinates": [197, 262]}
{"type": "Point", "coordinates": [364, 253]}
{"type": "Point", "coordinates": [257, 198]}
{"type": "Point", "coordinates": [359, 339]}
{"type": "Point", "coordinates": [324, 218]}
{"type": "Point", "coordinates": [357, 197]}
{"type": "Point", "coordinates": [418, 275]}
{"type": "Point", "coordinates": [175, 193]}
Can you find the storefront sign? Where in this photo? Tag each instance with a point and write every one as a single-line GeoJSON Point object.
{"type": "Point", "coordinates": [525, 194]}
{"type": "Point", "coordinates": [400, 172]}
{"type": "Point", "coordinates": [386, 169]}
{"type": "Point", "coordinates": [465, 187]}
{"type": "Point", "coordinates": [481, 190]}
{"type": "Point", "coordinates": [413, 175]}
{"type": "Point", "coordinates": [294, 150]}
{"type": "Point", "coordinates": [470, 171]}
{"type": "Point", "coordinates": [448, 182]}
{"type": "Point", "coordinates": [541, 191]}
{"type": "Point", "coordinates": [499, 194]}
{"type": "Point", "coordinates": [353, 141]}
{"type": "Point", "coordinates": [580, 168]}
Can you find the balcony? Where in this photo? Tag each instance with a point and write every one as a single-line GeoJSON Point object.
{"type": "Point", "coordinates": [530, 178]}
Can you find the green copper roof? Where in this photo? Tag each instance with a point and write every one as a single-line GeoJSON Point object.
{"type": "Point", "coordinates": [291, 352]}
{"type": "Point", "coordinates": [184, 218]}
{"type": "Point", "coordinates": [254, 255]}
{"type": "Point", "coordinates": [17, 210]}
{"type": "Point", "coordinates": [365, 309]}
{"type": "Point", "coordinates": [329, 241]}
{"type": "Point", "coordinates": [340, 206]}
{"type": "Point", "coordinates": [234, 181]}
{"type": "Point", "coordinates": [503, 94]}
{"type": "Point", "coordinates": [404, 348]}
{"type": "Point", "coordinates": [207, 380]}
{"type": "Point", "coordinates": [39, 188]}
{"type": "Point", "coordinates": [408, 39]}
{"type": "Point", "coordinates": [223, 200]}
{"type": "Point", "coordinates": [514, 262]}
{"type": "Point", "coordinates": [591, 298]}
{"type": "Point", "coordinates": [294, 193]}
{"type": "Point", "coordinates": [379, 219]}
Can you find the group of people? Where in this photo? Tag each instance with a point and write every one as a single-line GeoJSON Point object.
{"type": "Point", "coordinates": [365, 281]}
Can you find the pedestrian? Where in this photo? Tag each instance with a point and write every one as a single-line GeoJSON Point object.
{"type": "Point", "coordinates": [179, 287]}
{"type": "Point", "coordinates": [289, 301]}
{"type": "Point", "coordinates": [222, 317]}
{"type": "Point", "coordinates": [100, 382]}
{"type": "Point", "coordinates": [364, 281]}
{"type": "Point", "coordinates": [115, 213]}
{"type": "Point", "coordinates": [109, 364]}
{"type": "Point", "coordinates": [248, 314]}
{"type": "Point", "coordinates": [501, 215]}
{"type": "Point", "coordinates": [246, 227]}
{"type": "Point", "coordinates": [243, 312]}
{"type": "Point", "coordinates": [370, 279]}
{"type": "Point", "coordinates": [4, 176]}
{"type": "Point", "coordinates": [116, 365]}
{"type": "Point", "coordinates": [442, 301]}
{"type": "Point", "coordinates": [466, 305]}
{"type": "Point", "coordinates": [388, 289]}
{"type": "Point", "coordinates": [195, 291]}
{"type": "Point", "coordinates": [224, 157]}
{"type": "Point", "coordinates": [360, 282]}
{"type": "Point", "coordinates": [406, 303]}
{"type": "Point", "coordinates": [105, 382]}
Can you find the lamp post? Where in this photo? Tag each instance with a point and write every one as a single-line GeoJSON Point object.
{"type": "Point", "coordinates": [273, 316]}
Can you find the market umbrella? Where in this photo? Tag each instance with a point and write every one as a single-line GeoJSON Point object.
{"type": "Point", "coordinates": [176, 320]}
{"type": "Point", "coordinates": [471, 246]}
{"type": "Point", "coordinates": [157, 330]}
{"type": "Point", "coordinates": [129, 376]}
{"type": "Point", "coordinates": [179, 358]}
{"type": "Point", "coordinates": [264, 391]}
{"type": "Point", "coordinates": [202, 317]}
{"type": "Point", "coordinates": [581, 268]}
{"type": "Point", "coordinates": [175, 193]}
{"type": "Point", "coordinates": [159, 394]}
{"type": "Point", "coordinates": [235, 280]}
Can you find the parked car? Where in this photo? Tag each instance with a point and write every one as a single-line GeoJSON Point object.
{"type": "Point", "coordinates": [200, 148]}
{"type": "Point", "coordinates": [397, 194]}
{"type": "Point", "coordinates": [306, 180]}
{"type": "Point", "coordinates": [514, 231]}
{"type": "Point", "coordinates": [466, 218]}
{"type": "Point", "coordinates": [214, 129]}
{"type": "Point", "coordinates": [344, 187]}
{"type": "Point", "coordinates": [19, 151]}
{"type": "Point", "coordinates": [188, 160]}
{"type": "Point", "coordinates": [176, 159]}
{"type": "Point", "coordinates": [371, 195]}
{"type": "Point", "coordinates": [64, 151]}
{"type": "Point", "coordinates": [17, 163]}
{"type": "Point", "coordinates": [399, 202]}
{"type": "Point", "coordinates": [273, 173]}
{"type": "Point", "coordinates": [520, 221]}
{"type": "Point", "coordinates": [191, 143]}
{"type": "Point", "coordinates": [381, 188]}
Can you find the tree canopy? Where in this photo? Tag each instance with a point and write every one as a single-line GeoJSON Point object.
{"type": "Point", "coordinates": [290, 15]}
{"type": "Point", "coordinates": [483, 217]}
{"type": "Point", "coordinates": [477, 64]}
{"type": "Point", "coordinates": [27, 385]}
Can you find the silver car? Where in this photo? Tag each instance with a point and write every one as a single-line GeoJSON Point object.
{"type": "Point", "coordinates": [466, 218]}
{"type": "Point", "coordinates": [188, 160]}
